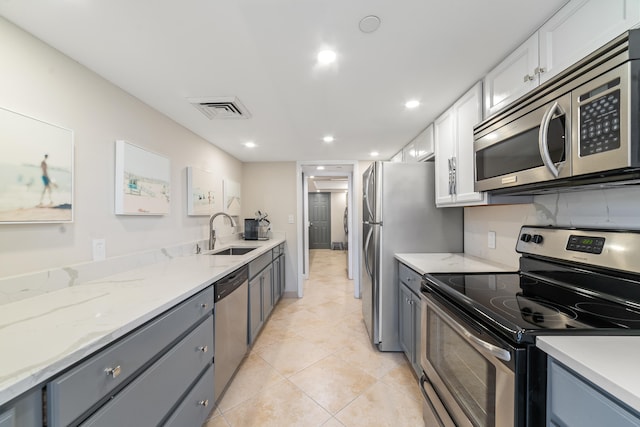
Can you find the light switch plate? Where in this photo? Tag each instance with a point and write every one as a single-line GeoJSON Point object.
{"type": "Point", "coordinates": [99, 249]}
{"type": "Point", "coordinates": [290, 218]}
{"type": "Point", "coordinates": [491, 240]}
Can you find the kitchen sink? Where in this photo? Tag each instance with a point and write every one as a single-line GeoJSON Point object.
{"type": "Point", "coordinates": [232, 251]}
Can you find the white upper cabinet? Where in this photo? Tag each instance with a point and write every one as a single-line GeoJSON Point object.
{"type": "Point", "coordinates": [579, 28]}
{"type": "Point", "coordinates": [453, 137]}
{"type": "Point", "coordinates": [445, 146]}
{"type": "Point", "coordinates": [420, 148]}
{"type": "Point", "coordinates": [512, 78]}
{"type": "Point", "coordinates": [397, 158]}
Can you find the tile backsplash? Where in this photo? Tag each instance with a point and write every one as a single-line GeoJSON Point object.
{"type": "Point", "coordinates": [604, 208]}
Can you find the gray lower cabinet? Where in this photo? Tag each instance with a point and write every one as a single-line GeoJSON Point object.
{"type": "Point", "coordinates": [267, 291]}
{"type": "Point", "coordinates": [572, 401]}
{"type": "Point", "coordinates": [145, 402]}
{"type": "Point", "coordinates": [24, 412]}
{"type": "Point", "coordinates": [409, 310]}
{"type": "Point", "coordinates": [278, 273]}
{"type": "Point", "coordinates": [255, 308]}
{"type": "Point", "coordinates": [100, 390]}
{"type": "Point", "coordinates": [266, 286]}
{"type": "Point", "coordinates": [196, 406]}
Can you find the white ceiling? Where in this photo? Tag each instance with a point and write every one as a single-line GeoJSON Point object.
{"type": "Point", "coordinates": [264, 52]}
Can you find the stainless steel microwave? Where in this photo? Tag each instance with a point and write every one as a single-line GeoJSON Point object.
{"type": "Point", "coordinates": [581, 128]}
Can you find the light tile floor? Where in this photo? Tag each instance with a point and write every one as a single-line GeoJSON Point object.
{"type": "Point", "coordinates": [313, 364]}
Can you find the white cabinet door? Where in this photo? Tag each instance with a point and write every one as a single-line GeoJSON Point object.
{"type": "Point", "coordinates": [444, 141]}
{"type": "Point", "coordinates": [424, 144]}
{"type": "Point", "coordinates": [409, 153]}
{"type": "Point", "coordinates": [468, 113]}
{"type": "Point", "coordinates": [397, 158]}
{"type": "Point", "coordinates": [512, 78]}
{"type": "Point", "coordinates": [581, 27]}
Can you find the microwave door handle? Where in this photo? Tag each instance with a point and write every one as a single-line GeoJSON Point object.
{"type": "Point", "coordinates": [543, 143]}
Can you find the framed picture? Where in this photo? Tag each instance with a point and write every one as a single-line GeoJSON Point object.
{"type": "Point", "coordinates": [231, 197]}
{"type": "Point", "coordinates": [143, 181]}
{"type": "Point", "coordinates": [203, 192]}
{"type": "Point", "coordinates": [36, 170]}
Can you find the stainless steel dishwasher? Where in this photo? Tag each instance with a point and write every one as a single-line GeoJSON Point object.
{"type": "Point", "coordinates": [230, 341]}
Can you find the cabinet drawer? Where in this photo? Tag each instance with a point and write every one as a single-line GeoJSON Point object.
{"type": "Point", "coordinates": [258, 264]}
{"type": "Point", "coordinates": [409, 278]}
{"type": "Point", "coordinates": [197, 405]}
{"type": "Point", "coordinates": [75, 392]}
{"type": "Point", "coordinates": [146, 401]}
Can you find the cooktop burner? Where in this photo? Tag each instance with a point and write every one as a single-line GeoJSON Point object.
{"type": "Point", "coordinates": [525, 305]}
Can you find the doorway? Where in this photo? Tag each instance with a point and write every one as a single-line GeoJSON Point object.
{"type": "Point", "coordinates": [319, 220]}
{"type": "Point", "coordinates": [339, 170]}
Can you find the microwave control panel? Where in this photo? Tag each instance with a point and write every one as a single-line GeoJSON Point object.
{"type": "Point", "coordinates": [600, 120]}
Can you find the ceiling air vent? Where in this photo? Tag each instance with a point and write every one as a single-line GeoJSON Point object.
{"type": "Point", "coordinates": [228, 107]}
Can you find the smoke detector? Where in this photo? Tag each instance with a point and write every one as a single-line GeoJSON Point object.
{"type": "Point", "coordinates": [221, 107]}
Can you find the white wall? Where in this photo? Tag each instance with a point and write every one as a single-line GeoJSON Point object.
{"type": "Point", "coordinates": [38, 81]}
{"type": "Point", "coordinates": [338, 204]}
{"type": "Point", "coordinates": [271, 187]}
{"type": "Point", "coordinates": [608, 208]}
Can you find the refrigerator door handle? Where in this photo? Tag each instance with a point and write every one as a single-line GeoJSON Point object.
{"type": "Point", "coordinates": [366, 252]}
{"type": "Point", "coordinates": [369, 214]}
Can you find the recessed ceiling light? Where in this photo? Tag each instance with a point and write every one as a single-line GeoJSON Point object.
{"type": "Point", "coordinates": [320, 168]}
{"type": "Point", "coordinates": [374, 154]}
{"type": "Point", "coordinates": [414, 103]}
{"type": "Point", "coordinates": [328, 138]}
{"type": "Point", "coordinates": [250, 144]}
{"type": "Point", "coordinates": [369, 24]}
{"type": "Point", "coordinates": [326, 57]}
{"type": "Point", "coordinates": [312, 177]}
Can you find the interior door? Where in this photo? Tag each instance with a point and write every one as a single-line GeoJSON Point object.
{"type": "Point", "coordinates": [319, 220]}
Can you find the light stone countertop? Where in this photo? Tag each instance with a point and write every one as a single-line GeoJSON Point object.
{"type": "Point", "coordinates": [43, 335]}
{"type": "Point", "coordinates": [610, 362]}
{"type": "Point", "coordinates": [450, 263]}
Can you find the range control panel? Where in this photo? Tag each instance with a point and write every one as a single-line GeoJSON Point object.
{"type": "Point", "coordinates": [587, 244]}
{"type": "Point", "coordinates": [615, 249]}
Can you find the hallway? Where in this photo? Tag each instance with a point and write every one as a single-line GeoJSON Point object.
{"type": "Point", "coordinates": [313, 364]}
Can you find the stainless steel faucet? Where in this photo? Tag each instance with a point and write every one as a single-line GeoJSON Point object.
{"type": "Point", "coordinates": [212, 231]}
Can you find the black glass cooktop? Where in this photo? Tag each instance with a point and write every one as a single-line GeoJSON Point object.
{"type": "Point", "coordinates": [521, 306]}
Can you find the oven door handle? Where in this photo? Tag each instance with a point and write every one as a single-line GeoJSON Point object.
{"type": "Point", "coordinates": [543, 143]}
{"type": "Point", "coordinates": [478, 343]}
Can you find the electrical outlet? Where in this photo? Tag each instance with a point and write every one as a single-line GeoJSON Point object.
{"type": "Point", "coordinates": [491, 240]}
{"type": "Point", "coordinates": [99, 249]}
{"type": "Point", "coordinates": [290, 218]}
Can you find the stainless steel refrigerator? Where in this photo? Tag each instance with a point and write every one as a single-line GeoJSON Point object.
{"type": "Point", "coordinates": [399, 216]}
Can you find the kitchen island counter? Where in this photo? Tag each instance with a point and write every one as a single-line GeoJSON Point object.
{"type": "Point", "coordinates": [43, 335]}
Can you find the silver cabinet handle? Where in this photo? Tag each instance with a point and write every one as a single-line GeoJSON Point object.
{"type": "Point", "coordinates": [204, 349]}
{"type": "Point", "coordinates": [543, 143]}
{"type": "Point", "coordinates": [204, 305]}
{"type": "Point", "coordinates": [454, 174]}
{"type": "Point", "coordinates": [539, 70]}
{"type": "Point", "coordinates": [113, 372]}
{"type": "Point", "coordinates": [528, 78]}
{"type": "Point", "coordinates": [204, 403]}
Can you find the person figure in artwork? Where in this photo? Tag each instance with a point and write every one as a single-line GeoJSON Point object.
{"type": "Point", "coordinates": [45, 180]}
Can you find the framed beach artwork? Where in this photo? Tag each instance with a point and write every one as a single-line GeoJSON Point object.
{"type": "Point", "coordinates": [231, 197]}
{"type": "Point", "coordinates": [143, 181]}
{"type": "Point", "coordinates": [36, 170]}
{"type": "Point", "coordinates": [203, 192]}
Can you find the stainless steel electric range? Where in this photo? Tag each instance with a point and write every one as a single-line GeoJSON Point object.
{"type": "Point", "coordinates": [480, 364]}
